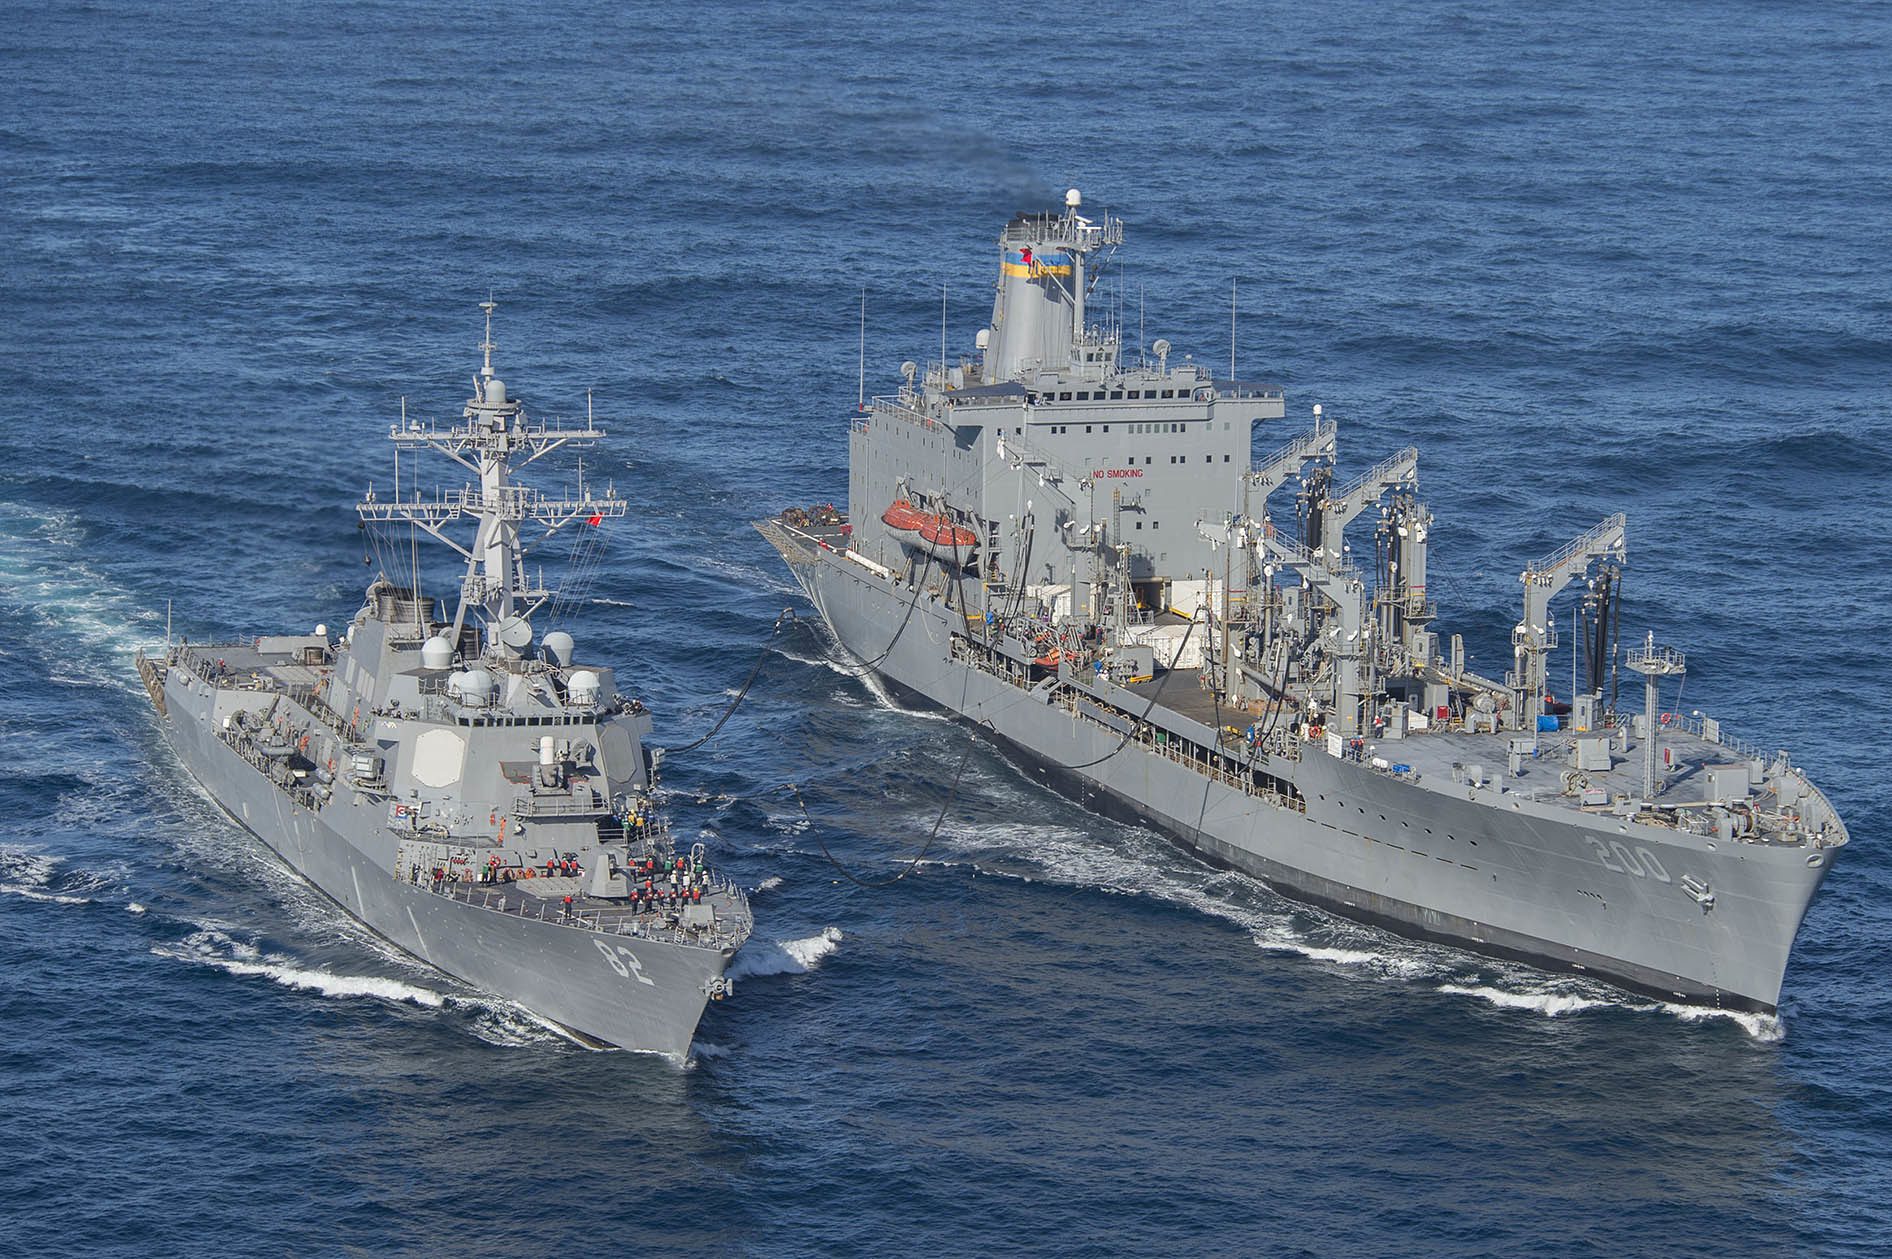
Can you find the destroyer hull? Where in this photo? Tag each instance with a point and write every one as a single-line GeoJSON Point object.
{"type": "Point", "coordinates": [1682, 919]}
{"type": "Point", "coordinates": [634, 993]}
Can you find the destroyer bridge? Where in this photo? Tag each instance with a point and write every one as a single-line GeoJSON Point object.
{"type": "Point", "coordinates": [1075, 548]}
{"type": "Point", "coordinates": [470, 787]}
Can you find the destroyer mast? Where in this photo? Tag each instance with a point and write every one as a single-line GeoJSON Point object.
{"type": "Point", "coordinates": [472, 790]}
{"type": "Point", "coordinates": [494, 437]}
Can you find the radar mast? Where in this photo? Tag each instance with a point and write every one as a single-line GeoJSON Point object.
{"type": "Point", "coordinates": [492, 441]}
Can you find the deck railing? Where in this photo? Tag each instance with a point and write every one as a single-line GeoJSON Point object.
{"type": "Point", "coordinates": [731, 928]}
{"type": "Point", "coordinates": [1232, 771]}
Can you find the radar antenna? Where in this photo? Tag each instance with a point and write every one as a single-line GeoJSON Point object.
{"type": "Point", "coordinates": [493, 440]}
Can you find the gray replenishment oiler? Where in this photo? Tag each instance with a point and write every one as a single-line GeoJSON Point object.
{"type": "Point", "coordinates": [1077, 553]}
{"type": "Point", "coordinates": [479, 795]}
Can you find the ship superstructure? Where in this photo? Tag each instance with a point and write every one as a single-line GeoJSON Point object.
{"type": "Point", "coordinates": [475, 791]}
{"type": "Point", "coordinates": [1077, 551]}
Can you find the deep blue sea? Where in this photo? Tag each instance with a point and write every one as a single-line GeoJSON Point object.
{"type": "Point", "coordinates": [1587, 257]}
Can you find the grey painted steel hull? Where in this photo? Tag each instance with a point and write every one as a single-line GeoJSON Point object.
{"type": "Point", "coordinates": [1474, 868]}
{"type": "Point", "coordinates": [631, 992]}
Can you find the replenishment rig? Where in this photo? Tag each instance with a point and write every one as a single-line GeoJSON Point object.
{"type": "Point", "coordinates": [1077, 553]}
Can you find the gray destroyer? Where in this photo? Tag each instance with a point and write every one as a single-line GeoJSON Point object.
{"type": "Point", "coordinates": [1078, 553]}
{"type": "Point", "coordinates": [475, 792]}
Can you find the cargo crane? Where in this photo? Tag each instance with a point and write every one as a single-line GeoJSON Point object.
{"type": "Point", "coordinates": [1337, 511]}
{"type": "Point", "coordinates": [1535, 637]}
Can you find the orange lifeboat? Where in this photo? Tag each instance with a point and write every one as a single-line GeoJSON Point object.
{"type": "Point", "coordinates": [904, 516]}
{"type": "Point", "coordinates": [935, 534]}
{"type": "Point", "coordinates": [947, 541]}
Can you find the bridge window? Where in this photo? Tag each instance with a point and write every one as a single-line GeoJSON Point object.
{"type": "Point", "coordinates": [1116, 395]}
{"type": "Point", "coordinates": [1065, 396]}
{"type": "Point", "coordinates": [1169, 393]}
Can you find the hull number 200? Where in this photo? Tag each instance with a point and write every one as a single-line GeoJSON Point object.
{"type": "Point", "coordinates": [1618, 856]}
{"type": "Point", "coordinates": [624, 962]}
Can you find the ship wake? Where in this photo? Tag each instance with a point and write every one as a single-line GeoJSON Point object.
{"type": "Point", "coordinates": [495, 1021]}
{"type": "Point", "coordinates": [761, 958]}
{"type": "Point", "coordinates": [46, 579]}
{"type": "Point", "coordinates": [33, 875]}
{"type": "Point", "coordinates": [213, 947]}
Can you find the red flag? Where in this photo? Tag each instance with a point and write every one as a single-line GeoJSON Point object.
{"type": "Point", "coordinates": [597, 518]}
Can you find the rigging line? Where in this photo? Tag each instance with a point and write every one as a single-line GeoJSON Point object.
{"type": "Point", "coordinates": [1280, 704]}
{"type": "Point", "coordinates": [1208, 781]}
{"type": "Point", "coordinates": [913, 863]}
{"type": "Point", "coordinates": [965, 755]}
{"type": "Point", "coordinates": [591, 552]}
{"type": "Point", "coordinates": [583, 564]}
{"type": "Point", "coordinates": [788, 614]}
{"type": "Point", "coordinates": [1259, 748]}
{"type": "Point", "coordinates": [919, 584]}
{"type": "Point", "coordinates": [1147, 708]}
{"type": "Point", "coordinates": [575, 560]}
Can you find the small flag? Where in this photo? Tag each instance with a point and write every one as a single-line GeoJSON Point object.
{"type": "Point", "coordinates": [597, 518]}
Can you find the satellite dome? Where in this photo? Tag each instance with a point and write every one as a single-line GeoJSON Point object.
{"type": "Point", "coordinates": [558, 648]}
{"type": "Point", "coordinates": [478, 687]}
{"type": "Point", "coordinates": [436, 653]}
{"type": "Point", "coordinates": [583, 687]}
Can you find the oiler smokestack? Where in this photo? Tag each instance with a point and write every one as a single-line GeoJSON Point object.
{"type": "Point", "coordinates": [1040, 301]}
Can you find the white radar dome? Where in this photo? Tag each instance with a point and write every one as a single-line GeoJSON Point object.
{"type": "Point", "coordinates": [478, 687]}
{"type": "Point", "coordinates": [558, 648]}
{"type": "Point", "coordinates": [1073, 198]}
{"type": "Point", "coordinates": [495, 390]}
{"type": "Point", "coordinates": [436, 653]}
{"type": "Point", "coordinates": [583, 687]}
{"type": "Point", "coordinates": [321, 631]}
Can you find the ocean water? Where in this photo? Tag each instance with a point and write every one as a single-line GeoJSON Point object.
{"type": "Point", "coordinates": [1587, 257]}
